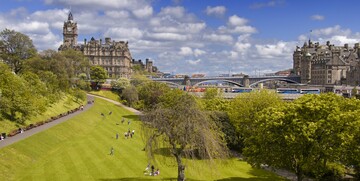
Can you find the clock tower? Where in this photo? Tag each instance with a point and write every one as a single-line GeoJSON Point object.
{"type": "Point", "coordinates": [70, 32]}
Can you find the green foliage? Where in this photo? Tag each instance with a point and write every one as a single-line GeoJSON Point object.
{"type": "Point", "coordinates": [211, 93]}
{"type": "Point", "coordinates": [131, 95]}
{"type": "Point", "coordinates": [138, 80]}
{"type": "Point", "coordinates": [150, 93]}
{"type": "Point", "coordinates": [305, 135]}
{"type": "Point", "coordinates": [120, 83]}
{"type": "Point", "coordinates": [98, 73]}
{"type": "Point", "coordinates": [245, 109]}
{"type": "Point", "coordinates": [17, 48]}
{"type": "Point", "coordinates": [184, 129]}
{"type": "Point", "coordinates": [19, 99]}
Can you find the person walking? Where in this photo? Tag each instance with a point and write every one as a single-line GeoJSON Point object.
{"type": "Point", "coordinates": [112, 151]}
{"type": "Point", "coordinates": [117, 135]}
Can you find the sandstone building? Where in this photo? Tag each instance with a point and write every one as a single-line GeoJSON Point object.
{"type": "Point", "coordinates": [114, 57]}
{"type": "Point", "coordinates": [327, 64]}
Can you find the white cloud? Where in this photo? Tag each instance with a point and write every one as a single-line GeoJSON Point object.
{"type": "Point", "coordinates": [117, 14]}
{"type": "Point", "coordinates": [144, 12]}
{"type": "Point", "coordinates": [32, 27]}
{"type": "Point", "coordinates": [280, 49]}
{"type": "Point", "coordinates": [177, 12]}
{"type": "Point", "coordinates": [218, 38]}
{"type": "Point", "coordinates": [272, 3]}
{"type": "Point", "coordinates": [237, 21]}
{"type": "Point", "coordinates": [317, 17]}
{"type": "Point", "coordinates": [168, 36]}
{"type": "Point", "coordinates": [198, 52]}
{"type": "Point", "coordinates": [194, 62]}
{"type": "Point", "coordinates": [217, 10]}
{"type": "Point", "coordinates": [185, 51]}
{"type": "Point", "coordinates": [335, 30]}
{"type": "Point", "coordinates": [124, 33]}
{"type": "Point", "coordinates": [242, 47]}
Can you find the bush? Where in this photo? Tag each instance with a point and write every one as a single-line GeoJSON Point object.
{"type": "Point", "coordinates": [333, 172]}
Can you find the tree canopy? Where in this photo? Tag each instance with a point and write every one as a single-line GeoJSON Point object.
{"type": "Point", "coordinates": [15, 48]}
{"type": "Point", "coordinates": [183, 129]}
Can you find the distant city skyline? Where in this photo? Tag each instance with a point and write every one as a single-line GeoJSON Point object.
{"type": "Point", "coordinates": [185, 37]}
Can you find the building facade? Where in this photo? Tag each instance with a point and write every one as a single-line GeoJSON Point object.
{"type": "Point", "coordinates": [114, 57]}
{"type": "Point", "coordinates": [327, 64]}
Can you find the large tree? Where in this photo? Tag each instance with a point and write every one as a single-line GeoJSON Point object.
{"type": "Point", "coordinates": [303, 136]}
{"type": "Point", "coordinates": [184, 130]}
{"type": "Point", "coordinates": [150, 93]}
{"type": "Point", "coordinates": [20, 99]}
{"type": "Point", "coordinates": [15, 48]}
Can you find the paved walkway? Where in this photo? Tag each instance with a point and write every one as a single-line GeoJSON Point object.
{"type": "Point", "coordinates": [117, 103]}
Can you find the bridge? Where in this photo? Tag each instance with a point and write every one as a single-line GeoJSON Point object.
{"type": "Point", "coordinates": [245, 81]}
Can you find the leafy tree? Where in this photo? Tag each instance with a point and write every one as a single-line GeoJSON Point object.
{"type": "Point", "coordinates": [304, 136]}
{"type": "Point", "coordinates": [244, 109]}
{"type": "Point", "coordinates": [76, 62]}
{"type": "Point", "coordinates": [211, 93]}
{"type": "Point", "coordinates": [183, 129]}
{"type": "Point", "coordinates": [120, 83]}
{"type": "Point", "coordinates": [150, 93]}
{"type": "Point", "coordinates": [138, 79]}
{"type": "Point", "coordinates": [17, 48]}
{"type": "Point", "coordinates": [17, 102]}
{"type": "Point", "coordinates": [98, 74]}
{"type": "Point", "coordinates": [131, 95]}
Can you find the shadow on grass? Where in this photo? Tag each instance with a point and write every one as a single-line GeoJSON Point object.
{"type": "Point", "coordinates": [174, 179]}
{"type": "Point", "coordinates": [145, 179]}
{"type": "Point", "coordinates": [132, 117]}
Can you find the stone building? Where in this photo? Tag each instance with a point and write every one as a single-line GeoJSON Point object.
{"type": "Point", "coordinates": [114, 57]}
{"type": "Point", "coordinates": [148, 66]}
{"type": "Point", "coordinates": [327, 64]}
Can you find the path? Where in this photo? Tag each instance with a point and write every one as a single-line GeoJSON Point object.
{"type": "Point", "coordinates": [117, 103]}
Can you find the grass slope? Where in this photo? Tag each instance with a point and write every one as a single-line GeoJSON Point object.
{"type": "Point", "coordinates": [106, 93]}
{"type": "Point", "coordinates": [63, 105]}
{"type": "Point", "coordinates": [79, 150]}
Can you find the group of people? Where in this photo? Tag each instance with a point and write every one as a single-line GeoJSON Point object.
{"type": "Point", "coordinates": [153, 172]}
{"type": "Point", "coordinates": [129, 134]}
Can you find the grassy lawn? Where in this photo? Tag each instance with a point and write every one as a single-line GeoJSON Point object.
{"type": "Point", "coordinates": [62, 106]}
{"type": "Point", "coordinates": [78, 149]}
{"type": "Point", "coordinates": [106, 93]}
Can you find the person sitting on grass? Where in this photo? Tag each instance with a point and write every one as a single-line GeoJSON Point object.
{"type": "Point", "coordinates": [157, 172]}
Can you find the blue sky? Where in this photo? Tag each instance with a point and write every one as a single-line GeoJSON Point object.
{"type": "Point", "coordinates": [193, 36]}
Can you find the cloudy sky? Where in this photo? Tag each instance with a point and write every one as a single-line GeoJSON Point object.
{"type": "Point", "coordinates": [193, 36]}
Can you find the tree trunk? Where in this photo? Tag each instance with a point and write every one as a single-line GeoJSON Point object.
{"type": "Point", "coordinates": [299, 173]}
{"type": "Point", "coordinates": [181, 168]}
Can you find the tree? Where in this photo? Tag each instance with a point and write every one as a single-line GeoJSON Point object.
{"type": "Point", "coordinates": [17, 48]}
{"type": "Point", "coordinates": [150, 93]}
{"type": "Point", "coordinates": [138, 79]}
{"type": "Point", "coordinates": [184, 130]}
{"type": "Point", "coordinates": [19, 100]}
{"type": "Point", "coordinates": [131, 95]}
{"type": "Point", "coordinates": [303, 136]}
{"type": "Point", "coordinates": [120, 83]}
{"type": "Point", "coordinates": [98, 74]}
{"type": "Point", "coordinates": [244, 109]}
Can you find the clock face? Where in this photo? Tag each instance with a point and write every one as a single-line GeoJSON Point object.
{"type": "Point", "coordinates": [69, 28]}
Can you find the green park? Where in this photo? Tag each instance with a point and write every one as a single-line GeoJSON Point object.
{"type": "Point", "coordinates": [140, 129]}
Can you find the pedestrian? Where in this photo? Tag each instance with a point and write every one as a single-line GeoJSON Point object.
{"type": "Point", "coordinates": [110, 112]}
{"type": "Point", "coordinates": [117, 135]}
{"type": "Point", "coordinates": [133, 132]}
{"type": "Point", "coordinates": [112, 151]}
{"type": "Point", "coordinates": [122, 121]}
{"type": "Point", "coordinates": [129, 122]}
{"type": "Point", "coordinates": [102, 114]}
{"type": "Point", "coordinates": [152, 170]}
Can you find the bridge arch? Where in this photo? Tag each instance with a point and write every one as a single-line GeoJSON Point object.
{"type": "Point", "coordinates": [228, 81]}
{"type": "Point", "coordinates": [169, 83]}
{"type": "Point", "coordinates": [280, 79]}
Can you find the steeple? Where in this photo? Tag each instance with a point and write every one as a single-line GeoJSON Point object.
{"type": "Point", "coordinates": [70, 17]}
